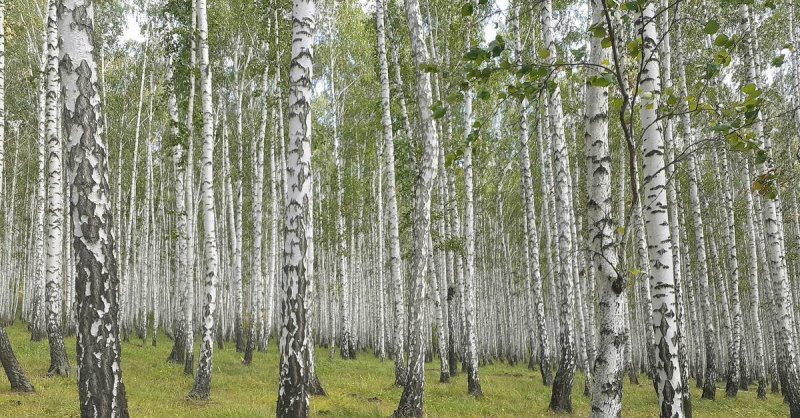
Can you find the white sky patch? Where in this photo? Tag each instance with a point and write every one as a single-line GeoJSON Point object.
{"type": "Point", "coordinates": [133, 31]}
{"type": "Point", "coordinates": [491, 25]}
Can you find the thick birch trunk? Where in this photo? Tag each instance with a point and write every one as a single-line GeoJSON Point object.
{"type": "Point", "coordinates": [101, 390]}
{"type": "Point", "coordinates": [293, 392]}
{"type": "Point", "coordinates": [609, 366]}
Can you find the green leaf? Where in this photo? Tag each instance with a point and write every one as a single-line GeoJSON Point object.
{"type": "Point", "coordinates": [467, 9]}
{"type": "Point", "coordinates": [778, 61]}
{"type": "Point", "coordinates": [543, 53]}
{"type": "Point", "coordinates": [606, 43]}
{"type": "Point", "coordinates": [429, 68]}
{"type": "Point", "coordinates": [721, 40]}
{"type": "Point", "coordinates": [598, 31]}
{"type": "Point", "coordinates": [438, 110]}
{"type": "Point", "coordinates": [484, 94]}
{"type": "Point", "coordinates": [761, 157]}
{"type": "Point", "coordinates": [711, 27]}
{"type": "Point", "coordinates": [749, 89]}
{"type": "Point", "coordinates": [633, 47]}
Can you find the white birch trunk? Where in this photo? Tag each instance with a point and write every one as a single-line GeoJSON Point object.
{"type": "Point", "coordinates": [202, 383]}
{"type": "Point", "coordinates": [610, 362]}
{"type": "Point", "coordinates": [561, 399]}
{"type": "Point", "coordinates": [293, 393]}
{"type": "Point", "coordinates": [412, 399]}
{"type": "Point", "coordinates": [101, 390]}
{"type": "Point", "coordinates": [667, 376]}
{"type": "Point", "coordinates": [59, 365]}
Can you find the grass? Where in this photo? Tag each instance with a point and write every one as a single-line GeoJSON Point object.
{"type": "Point", "coordinates": [361, 388]}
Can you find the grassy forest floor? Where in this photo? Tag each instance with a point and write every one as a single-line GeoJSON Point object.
{"type": "Point", "coordinates": [361, 388]}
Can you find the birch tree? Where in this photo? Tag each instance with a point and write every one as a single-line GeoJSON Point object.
{"type": "Point", "coordinates": [561, 399]}
{"type": "Point", "coordinates": [293, 391]}
{"type": "Point", "coordinates": [202, 383]}
{"type": "Point", "coordinates": [412, 399]}
{"type": "Point", "coordinates": [609, 364]}
{"type": "Point", "coordinates": [59, 365]}
{"type": "Point", "coordinates": [100, 386]}
{"type": "Point", "coordinates": [667, 376]}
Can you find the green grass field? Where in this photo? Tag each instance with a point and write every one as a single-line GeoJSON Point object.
{"type": "Point", "coordinates": [361, 388]}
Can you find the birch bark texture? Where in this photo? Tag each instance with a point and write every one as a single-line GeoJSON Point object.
{"type": "Point", "coordinates": [293, 391]}
{"type": "Point", "coordinates": [666, 378]}
{"type": "Point", "coordinates": [533, 275]}
{"type": "Point", "coordinates": [412, 399]}
{"type": "Point", "coordinates": [100, 385]}
{"type": "Point", "coordinates": [609, 366]}
{"type": "Point", "coordinates": [561, 397]}
{"type": "Point", "coordinates": [391, 196]}
{"type": "Point", "coordinates": [202, 382]}
{"type": "Point", "coordinates": [59, 365]}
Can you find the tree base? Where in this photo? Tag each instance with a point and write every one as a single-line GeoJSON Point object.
{"type": "Point", "coordinates": [315, 386]}
{"type": "Point", "coordinates": [444, 377]}
{"type": "Point", "coordinates": [731, 389]}
{"type": "Point", "coordinates": [16, 376]}
{"type": "Point", "coordinates": [188, 365]}
{"type": "Point", "coordinates": [199, 395]}
{"type": "Point", "coordinates": [404, 411]}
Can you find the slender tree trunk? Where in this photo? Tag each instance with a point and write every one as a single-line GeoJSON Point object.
{"type": "Point", "coordinates": [256, 314]}
{"type": "Point", "coordinates": [473, 379]}
{"type": "Point", "coordinates": [561, 399]}
{"type": "Point", "coordinates": [667, 374]}
{"type": "Point", "coordinates": [775, 251]}
{"type": "Point", "coordinates": [59, 365]}
{"type": "Point", "coordinates": [202, 383]}
{"type": "Point", "coordinates": [412, 399]}
{"type": "Point", "coordinates": [16, 376]}
{"type": "Point", "coordinates": [37, 308]}
{"type": "Point", "coordinates": [395, 267]}
{"type": "Point", "coordinates": [734, 346]}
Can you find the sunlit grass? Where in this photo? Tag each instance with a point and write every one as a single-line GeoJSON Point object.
{"type": "Point", "coordinates": [361, 388]}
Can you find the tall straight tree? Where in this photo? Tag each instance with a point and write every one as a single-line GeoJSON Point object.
{"type": "Point", "coordinates": [533, 276]}
{"type": "Point", "coordinates": [412, 399]}
{"type": "Point", "coordinates": [202, 382]}
{"type": "Point", "coordinates": [293, 391]}
{"type": "Point", "coordinates": [667, 373]}
{"type": "Point", "coordinates": [16, 375]}
{"type": "Point", "coordinates": [775, 245]}
{"type": "Point", "coordinates": [391, 195]}
{"type": "Point", "coordinates": [59, 365]}
{"type": "Point", "coordinates": [610, 362]}
{"type": "Point", "coordinates": [561, 399]}
{"type": "Point", "coordinates": [473, 380]}
{"type": "Point", "coordinates": [178, 354]}
{"type": "Point", "coordinates": [100, 386]}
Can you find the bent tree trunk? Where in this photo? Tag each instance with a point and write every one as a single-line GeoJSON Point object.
{"type": "Point", "coordinates": [16, 376]}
